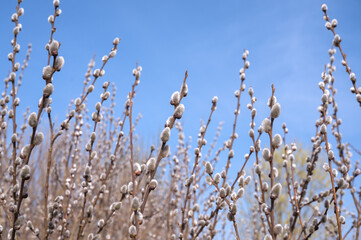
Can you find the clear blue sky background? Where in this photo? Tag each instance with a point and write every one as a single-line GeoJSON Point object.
{"type": "Point", "coordinates": [287, 40]}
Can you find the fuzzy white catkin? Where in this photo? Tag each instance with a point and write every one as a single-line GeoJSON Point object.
{"type": "Point", "coordinates": [353, 77]}
{"type": "Point", "coordinates": [165, 151]}
{"type": "Point", "coordinates": [132, 231]}
{"type": "Point", "coordinates": [266, 125]}
{"type": "Point", "coordinates": [56, 3]}
{"type": "Point", "coordinates": [164, 136]}
{"type": "Point", "coordinates": [153, 184]}
{"type": "Point", "coordinates": [116, 206]}
{"type": "Point", "coordinates": [59, 63]}
{"type": "Point", "coordinates": [51, 19]}
{"type": "Point", "coordinates": [278, 229]}
{"type": "Point", "coordinates": [54, 47]}
{"type": "Point", "coordinates": [324, 7]}
{"type": "Point", "coordinates": [266, 154]}
{"type": "Point", "coordinates": [337, 40]}
{"type": "Point", "coordinates": [135, 204]}
{"type": "Point", "coordinates": [276, 110]}
{"type": "Point", "coordinates": [112, 53]}
{"type": "Point", "coordinates": [276, 190]}
{"type": "Point", "coordinates": [277, 141]}
{"type": "Point", "coordinates": [215, 100]}
{"type": "Point", "coordinates": [25, 172]}
{"type": "Point", "coordinates": [209, 168]}
{"type": "Point", "coordinates": [175, 98]}
{"type": "Point", "coordinates": [231, 154]}
{"type": "Point", "coordinates": [178, 112]}
{"type": "Point", "coordinates": [32, 119]}
{"type": "Point", "coordinates": [38, 139]}
{"type": "Point", "coordinates": [323, 129]}
{"type": "Point", "coordinates": [267, 237]}
{"type": "Point", "coordinates": [48, 90]}
{"type": "Point", "coordinates": [217, 178]}
{"type": "Point", "coordinates": [116, 41]}
{"type": "Point", "coordinates": [151, 164]}
{"type": "Point", "coordinates": [47, 72]}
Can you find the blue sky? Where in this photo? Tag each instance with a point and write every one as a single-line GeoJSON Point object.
{"type": "Point", "coordinates": [287, 40]}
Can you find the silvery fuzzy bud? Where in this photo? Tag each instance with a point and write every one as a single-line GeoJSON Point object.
{"type": "Point", "coordinates": [276, 141]}
{"type": "Point", "coordinates": [151, 164]}
{"type": "Point", "coordinates": [278, 229]}
{"type": "Point", "coordinates": [165, 151]}
{"type": "Point", "coordinates": [209, 168]}
{"type": "Point", "coordinates": [267, 237]}
{"type": "Point", "coordinates": [240, 193]}
{"type": "Point", "coordinates": [47, 72]}
{"type": "Point", "coordinates": [215, 100]}
{"type": "Point", "coordinates": [353, 77]}
{"type": "Point", "coordinates": [48, 90]}
{"type": "Point", "coordinates": [135, 204]}
{"type": "Point", "coordinates": [334, 23]}
{"type": "Point", "coordinates": [101, 223]}
{"type": "Point", "coordinates": [98, 105]}
{"type": "Point", "coordinates": [124, 189]}
{"type": "Point", "coordinates": [56, 3]}
{"type": "Point", "coordinates": [323, 129]}
{"type": "Point", "coordinates": [266, 154]}
{"type": "Point", "coordinates": [251, 133]}
{"type": "Point", "coordinates": [93, 136]}
{"type": "Point", "coordinates": [112, 53]}
{"type": "Point", "coordinates": [258, 169]}
{"type": "Point", "coordinates": [12, 76]}
{"type": "Point", "coordinates": [14, 138]}
{"type": "Point", "coordinates": [164, 136]}
{"type": "Point", "coordinates": [276, 110]}
{"type": "Point", "coordinates": [184, 90]}
{"type": "Point", "coordinates": [96, 73]}
{"type": "Point", "coordinates": [237, 93]}
{"type": "Point", "coordinates": [266, 125]}
{"type": "Point", "coordinates": [324, 7]}
{"type": "Point", "coordinates": [59, 63]}
{"type": "Point", "coordinates": [54, 47]}
{"type": "Point", "coordinates": [115, 206]}
{"type": "Point", "coordinates": [25, 172]}
{"type": "Point", "coordinates": [77, 102]}
{"type": "Point", "coordinates": [153, 184]}
{"type": "Point", "coordinates": [217, 178]}
{"type": "Point", "coordinates": [233, 209]}
{"type": "Point", "coordinates": [231, 154]}
{"type": "Point", "coordinates": [330, 155]}
{"type": "Point", "coordinates": [105, 95]}
{"type": "Point", "coordinates": [16, 30]}
{"type": "Point", "coordinates": [222, 192]}
{"type": "Point", "coordinates": [11, 113]}
{"type": "Point", "coordinates": [175, 98]}
{"type": "Point", "coordinates": [336, 40]}
{"type": "Point", "coordinates": [10, 56]}
{"type": "Point", "coordinates": [38, 139]}
{"type": "Point", "coordinates": [178, 112]}
{"type": "Point", "coordinates": [276, 191]}
{"type": "Point", "coordinates": [132, 231]}
{"type": "Point", "coordinates": [50, 20]}
{"type": "Point", "coordinates": [90, 88]}
{"type": "Point", "coordinates": [32, 120]}
{"type": "Point", "coordinates": [116, 41]}
{"type": "Point", "coordinates": [247, 180]}
{"type": "Point", "coordinates": [137, 169]}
